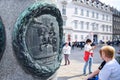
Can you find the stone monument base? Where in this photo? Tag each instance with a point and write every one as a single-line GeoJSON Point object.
{"type": "Point", "coordinates": [10, 68]}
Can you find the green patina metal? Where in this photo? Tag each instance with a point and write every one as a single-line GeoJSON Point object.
{"type": "Point", "coordinates": [2, 38]}
{"type": "Point", "coordinates": [24, 21]}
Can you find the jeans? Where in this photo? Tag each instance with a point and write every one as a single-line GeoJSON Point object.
{"type": "Point", "coordinates": [89, 67]}
{"type": "Point", "coordinates": [94, 78]}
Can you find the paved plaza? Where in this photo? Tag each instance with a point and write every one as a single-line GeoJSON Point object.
{"type": "Point", "coordinates": [74, 70]}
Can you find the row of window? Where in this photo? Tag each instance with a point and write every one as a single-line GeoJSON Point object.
{"type": "Point", "coordinates": [116, 32]}
{"type": "Point", "coordinates": [93, 14]}
{"type": "Point", "coordinates": [64, 10]}
{"type": "Point", "coordinates": [82, 37]}
{"type": "Point", "coordinates": [95, 26]}
{"type": "Point", "coordinates": [106, 28]}
{"type": "Point", "coordinates": [116, 19]}
{"type": "Point", "coordinates": [116, 26]}
{"type": "Point", "coordinates": [106, 38]}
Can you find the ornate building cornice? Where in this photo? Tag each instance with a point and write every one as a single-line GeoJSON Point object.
{"type": "Point", "coordinates": [93, 3]}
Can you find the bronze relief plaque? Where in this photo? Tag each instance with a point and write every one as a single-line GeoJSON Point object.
{"type": "Point", "coordinates": [2, 38]}
{"type": "Point", "coordinates": [37, 39]}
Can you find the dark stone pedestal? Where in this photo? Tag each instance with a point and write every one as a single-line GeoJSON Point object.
{"type": "Point", "coordinates": [10, 68]}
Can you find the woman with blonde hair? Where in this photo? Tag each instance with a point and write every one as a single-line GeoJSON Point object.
{"type": "Point", "coordinates": [111, 69]}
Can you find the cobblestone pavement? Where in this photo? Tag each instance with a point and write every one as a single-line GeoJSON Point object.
{"type": "Point", "coordinates": [75, 69]}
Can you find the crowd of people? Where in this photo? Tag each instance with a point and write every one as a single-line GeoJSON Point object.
{"type": "Point", "coordinates": [109, 69]}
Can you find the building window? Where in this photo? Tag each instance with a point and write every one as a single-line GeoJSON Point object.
{"type": "Point", "coordinates": [82, 25]}
{"type": "Point", "coordinates": [82, 12]}
{"type": "Point", "coordinates": [97, 15]}
{"type": "Point", "coordinates": [76, 23]}
{"type": "Point", "coordinates": [75, 37]}
{"type": "Point", "coordinates": [87, 25]}
{"type": "Point", "coordinates": [76, 11]}
{"type": "Point", "coordinates": [114, 19]}
{"type": "Point", "coordinates": [87, 14]}
{"type": "Point", "coordinates": [97, 26]}
{"type": "Point", "coordinates": [64, 9]}
{"type": "Point", "coordinates": [64, 22]}
{"type": "Point", "coordinates": [119, 19]}
{"type": "Point", "coordinates": [107, 28]}
{"type": "Point", "coordinates": [103, 37]}
{"type": "Point", "coordinates": [93, 14]}
{"type": "Point", "coordinates": [110, 18]}
{"type": "Point", "coordinates": [103, 27]}
{"type": "Point", "coordinates": [82, 37]}
{"type": "Point", "coordinates": [103, 17]}
{"type": "Point", "coordinates": [63, 37]}
{"type": "Point", "coordinates": [110, 38]}
{"type": "Point", "coordinates": [106, 37]}
{"type": "Point", "coordinates": [93, 26]}
{"type": "Point", "coordinates": [110, 28]}
{"type": "Point", "coordinates": [106, 17]}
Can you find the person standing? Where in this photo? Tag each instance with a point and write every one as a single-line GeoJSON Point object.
{"type": "Point", "coordinates": [66, 51]}
{"type": "Point", "coordinates": [88, 56]}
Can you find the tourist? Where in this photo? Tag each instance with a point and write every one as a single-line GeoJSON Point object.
{"type": "Point", "coordinates": [111, 69]}
{"type": "Point", "coordinates": [88, 56]}
{"type": "Point", "coordinates": [66, 51]}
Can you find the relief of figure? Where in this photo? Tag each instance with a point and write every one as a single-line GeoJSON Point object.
{"type": "Point", "coordinates": [37, 39]}
{"type": "Point", "coordinates": [46, 37]}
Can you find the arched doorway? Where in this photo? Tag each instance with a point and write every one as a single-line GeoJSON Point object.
{"type": "Point", "coordinates": [95, 38]}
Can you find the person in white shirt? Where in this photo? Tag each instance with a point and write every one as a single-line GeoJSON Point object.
{"type": "Point", "coordinates": [88, 56]}
{"type": "Point", "coordinates": [66, 51]}
{"type": "Point", "coordinates": [111, 70]}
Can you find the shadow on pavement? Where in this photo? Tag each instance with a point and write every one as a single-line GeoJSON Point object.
{"type": "Point", "coordinates": [66, 78]}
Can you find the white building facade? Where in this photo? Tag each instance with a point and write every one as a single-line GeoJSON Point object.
{"type": "Point", "coordinates": [85, 19]}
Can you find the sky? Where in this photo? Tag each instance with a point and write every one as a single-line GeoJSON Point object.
{"type": "Point", "coordinates": [114, 3]}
